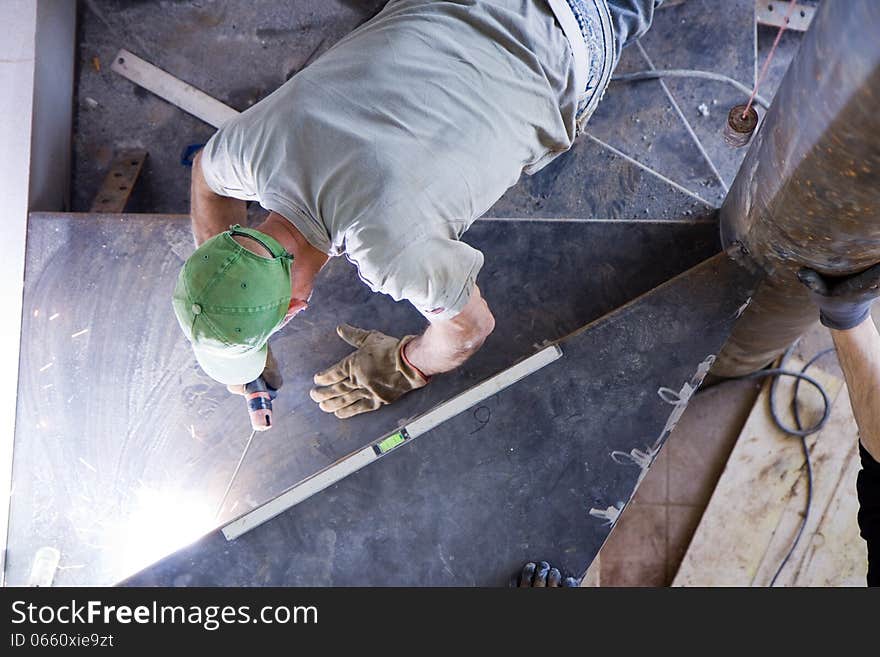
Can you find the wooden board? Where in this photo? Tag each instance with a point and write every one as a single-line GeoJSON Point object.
{"type": "Point", "coordinates": [836, 555]}
{"type": "Point", "coordinates": [177, 92]}
{"type": "Point", "coordinates": [757, 505]}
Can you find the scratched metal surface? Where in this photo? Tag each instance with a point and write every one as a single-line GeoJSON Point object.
{"type": "Point", "coordinates": [639, 160]}
{"type": "Point", "coordinates": [123, 447]}
{"type": "Point", "coordinates": [472, 500]}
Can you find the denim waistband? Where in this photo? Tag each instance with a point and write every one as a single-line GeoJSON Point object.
{"type": "Point", "coordinates": [594, 22]}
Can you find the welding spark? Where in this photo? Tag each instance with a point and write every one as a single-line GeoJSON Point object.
{"type": "Point", "coordinates": [52, 317]}
{"type": "Point", "coordinates": [79, 333]}
{"type": "Point", "coordinates": [87, 464]}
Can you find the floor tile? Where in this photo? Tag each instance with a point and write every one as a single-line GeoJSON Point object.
{"type": "Point", "coordinates": [681, 523]}
{"type": "Point", "coordinates": [653, 488]}
{"type": "Point", "coordinates": [639, 535]}
{"type": "Point", "coordinates": [701, 443]}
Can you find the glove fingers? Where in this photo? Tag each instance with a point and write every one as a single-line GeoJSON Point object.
{"type": "Point", "coordinates": [360, 406]}
{"type": "Point", "coordinates": [554, 578]}
{"type": "Point", "coordinates": [525, 577]}
{"type": "Point", "coordinates": [541, 573]}
{"type": "Point", "coordinates": [340, 402]}
{"type": "Point", "coordinates": [866, 284]}
{"type": "Point", "coordinates": [329, 392]}
{"type": "Point", "coordinates": [813, 280]}
{"type": "Point", "coordinates": [332, 375]}
{"type": "Point", "coordinates": [353, 335]}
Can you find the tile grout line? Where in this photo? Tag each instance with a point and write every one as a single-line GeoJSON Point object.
{"type": "Point", "coordinates": [645, 167]}
{"type": "Point", "coordinates": [684, 120]}
{"type": "Point", "coordinates": [669, 576]}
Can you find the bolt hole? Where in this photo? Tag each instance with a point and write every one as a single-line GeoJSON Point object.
{"type": "Point", "coordinates": [105, 200]}
{"type": "Point", "coordinates": [122, 188]}
{"type": "Point", "coordinates": [769, 7]}
{"type": "Point", "coordinates": [134, 163]}
{"type": "Point", "coordinates": [121, 60]}
{"type": "Point", "coordinates": [117, 175]}
{"type": "Point", "coordinates": [803, 14]}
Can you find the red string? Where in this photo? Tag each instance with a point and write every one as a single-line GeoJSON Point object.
{"type": "Point", "coordinates": [791, 6]}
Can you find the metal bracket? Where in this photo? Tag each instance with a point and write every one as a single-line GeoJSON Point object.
{"type": "Point", "coordinates": [120, 179]}
{"type": "Point", "coordinates": [773, 13]}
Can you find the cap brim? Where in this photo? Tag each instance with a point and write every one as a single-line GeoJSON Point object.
{"type": "Point", "coordinates": [232, 370]}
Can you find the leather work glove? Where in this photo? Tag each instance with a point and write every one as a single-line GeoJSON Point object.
{"type": "Point", "coordinates": [844, 302]}
{"type": "Point", "coordinates": [271, 375]}
{"type": "Point", "coordinates": [374, 375]}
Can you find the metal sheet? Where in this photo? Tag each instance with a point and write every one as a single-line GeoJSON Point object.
{"type": "Point", "coordinates": [123, 447]}
{"type": "Point", "coordinates": [535, 472]}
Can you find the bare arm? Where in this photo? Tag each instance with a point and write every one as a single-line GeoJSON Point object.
{"type": "Point", "coordinates": [211, 213]}
{"type": "Point", "coordinates": [446, 345]}
{"type": "Point", "coordinates": [858, 350]}
{"type": "Point", "coordinates": [845, 308]}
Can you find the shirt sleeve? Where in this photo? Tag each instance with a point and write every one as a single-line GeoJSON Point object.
{"type": "Point", "coordinates": [436, 273]}
{"type": "Point", "coordinates": [221, 163]}
{"type": "Point", "coordinates": [868, 490]}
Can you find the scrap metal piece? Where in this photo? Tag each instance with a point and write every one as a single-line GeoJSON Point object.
{"type": "Point", "coordinates": [116, 188]}
{"type": "Point", "coordinates": [773, 14]}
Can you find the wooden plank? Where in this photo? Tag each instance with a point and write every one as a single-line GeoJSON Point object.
{"type": "Point", "coordinates": [836, 554]}
{"type": "Point", "coordinates": [119, 181]}
{"type": "Point", "coordinates": [751, 497]}
{"type": "Point", "coordinates": [830, 455]}
{"type": "Point", "coordinates": [177, 92]}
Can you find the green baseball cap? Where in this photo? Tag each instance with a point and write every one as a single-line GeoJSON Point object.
{"type": "Point", "coordinates": [229, 300]}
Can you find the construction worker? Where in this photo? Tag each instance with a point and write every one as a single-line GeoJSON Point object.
{"type": "Point", "coordinates": [386, 149]}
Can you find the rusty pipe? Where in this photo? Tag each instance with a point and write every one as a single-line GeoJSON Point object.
{"type": "Point", "coordinates": [808, 190]}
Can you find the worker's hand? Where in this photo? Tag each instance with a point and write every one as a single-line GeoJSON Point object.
{"type": "Point", "coordinates": [271, 375]}
{"type": "Point", "coordinates": [542, 575]}
{"type": "Point", "coordinates": [844, 302]}
{"type": "Point", "coordinates": [376, 374]}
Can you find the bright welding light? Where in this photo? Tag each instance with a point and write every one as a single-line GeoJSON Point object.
{"type": "Point", "coordinates": [162, 522]}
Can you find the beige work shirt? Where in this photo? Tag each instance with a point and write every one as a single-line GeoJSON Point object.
{"type": "Point", "coordinates": [395, 140]}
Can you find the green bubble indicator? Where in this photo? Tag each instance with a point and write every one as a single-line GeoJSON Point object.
{"type": "Point", "coordinates": [389, 443]}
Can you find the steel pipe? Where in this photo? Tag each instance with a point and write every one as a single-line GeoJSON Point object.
{"type": "Point", "coordinates": [808, 191]}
